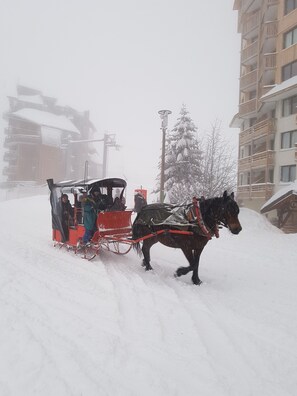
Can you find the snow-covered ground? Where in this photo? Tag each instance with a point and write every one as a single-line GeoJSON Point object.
{"type": "Point", "coordinates": [73, 327]}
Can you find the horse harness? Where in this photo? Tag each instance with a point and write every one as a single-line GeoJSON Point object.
{"type": "Point", "coordinates": [194, 216]}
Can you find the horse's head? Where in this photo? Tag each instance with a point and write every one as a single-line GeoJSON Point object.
{"type": "Point", "coordinates": [230, 213]}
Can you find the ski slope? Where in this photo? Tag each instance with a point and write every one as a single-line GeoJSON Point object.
{"type": "Point", "coordinates": [107, 327]}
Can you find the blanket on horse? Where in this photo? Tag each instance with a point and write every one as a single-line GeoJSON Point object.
{"type": "Point", "coordinates": [177, 217]}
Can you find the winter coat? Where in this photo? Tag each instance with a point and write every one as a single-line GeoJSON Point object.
{"type": "Point", "coordinates": [139, 202]}
{"type": "Point", "coordinates": [67, 211]}
{"type": "Point", "coordinates": [90, 214]}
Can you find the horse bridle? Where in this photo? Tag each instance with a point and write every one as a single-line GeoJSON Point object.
{"type": "Point", "coordinates": [221, 218]}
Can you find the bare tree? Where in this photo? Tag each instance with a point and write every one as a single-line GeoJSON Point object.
{"type": "Point", "coordinates": [219, 164]}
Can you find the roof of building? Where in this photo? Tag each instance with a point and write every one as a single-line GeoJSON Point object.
{"type": "Point", "coordinates": [278, 198]}
{"type": "Point", "coordinates": [36, 99]}
{"type": "Point", "coordinates": [45, 118]}
{"type": "Point", "coordinates": [281, 91]}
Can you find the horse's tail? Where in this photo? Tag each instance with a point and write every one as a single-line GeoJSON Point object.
{"type": "Point", "coordinates": [136, 234]}
{"type": "Point", "coordinates": [137, 248]}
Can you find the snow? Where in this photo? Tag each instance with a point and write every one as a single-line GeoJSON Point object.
{"type": "Point", "coordinates": [45, 118]}
{"type": "Point", "coordinates": [279, 88]}
{"type": "Point", "coordinates": [107, 327]}
{"type": "Point", "coordinates": [282, 192]}
{"type": "Point", "coordinates": [51, 136]}
{"type": "Point", "coordinates": [36, 99]}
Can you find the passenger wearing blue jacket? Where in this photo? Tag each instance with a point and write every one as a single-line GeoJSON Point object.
{"type": "Point", "coordinates": [90, 216]}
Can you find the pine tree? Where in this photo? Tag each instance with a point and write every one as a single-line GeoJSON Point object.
{"type": "Point", "coordinates": [183, 160]}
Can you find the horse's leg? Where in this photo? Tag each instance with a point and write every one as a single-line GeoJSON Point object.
{"type": "Point", "coordinates": [147, 244]}
{"type": "Point", "coordinates": [195, 277]}
{"type": "Point", "coordinates": [187, 251]}
{"type": "Point", "coordinates": [196, 255]}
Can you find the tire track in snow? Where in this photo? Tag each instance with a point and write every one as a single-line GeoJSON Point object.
{"type": "Point", "coordinates": [155, 340]}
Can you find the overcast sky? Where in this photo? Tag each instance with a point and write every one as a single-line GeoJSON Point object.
{"type": "Point", "coordinates": [123, 60]}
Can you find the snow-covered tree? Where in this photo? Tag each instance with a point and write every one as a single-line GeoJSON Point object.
{"type": "Point", "coordinates": [182, 160]}
{"type": "Point", "coordinates": [194, 170]}
{"type": "Point", "coordinates": [219, 164]}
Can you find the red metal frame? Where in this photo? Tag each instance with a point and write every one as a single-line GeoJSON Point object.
{"type": "Point", "coordinates": [116, 223]}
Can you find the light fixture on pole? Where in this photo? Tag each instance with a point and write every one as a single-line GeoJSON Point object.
{"type": "Point", "coordinates": [164, 117]}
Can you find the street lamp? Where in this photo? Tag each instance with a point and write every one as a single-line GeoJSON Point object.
{"type": "Point", "coordinates": [164, 117]}
{"type": "Point", "coordinates": [109, 141]}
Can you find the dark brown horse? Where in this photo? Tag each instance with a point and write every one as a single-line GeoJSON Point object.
{"type": "Point", "coordinates": [154, 218]}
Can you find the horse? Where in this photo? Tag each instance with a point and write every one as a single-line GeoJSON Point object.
{"type": "Point", "coordinates": [153, 225]}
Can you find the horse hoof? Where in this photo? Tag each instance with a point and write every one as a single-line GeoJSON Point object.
{"type": "Point", "coordinates": [181, 271]}
{"type": "Point", "coordinates": [148, 268]}
{"type": "Point", "coordinates": [197, 282]}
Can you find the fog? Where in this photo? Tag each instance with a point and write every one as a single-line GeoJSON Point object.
{"type": "Point", "coordinates": [124, 61]}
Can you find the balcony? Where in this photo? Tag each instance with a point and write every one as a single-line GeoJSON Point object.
{"type": "Point", "coordinates": [271, 29]}
{"type": "Point", "coordinates": [9, 170]}
{"type": "Point", "coordinates": [248, 107]}
{"type": "Point", "coordinates": [249, 52]}
{"type": "Point", "coordinates": [251, 23]}
{"type": "Point", "coordinates": [268, 36]}
{"type": "Point", "coordinates": [262, 159]}
{"type": "Point", "coordinates": [262, 190]}
{"type": "Point", "coordinates": [19, 139]}
{"type": "Point", "coordinates": [248, 79]}
{"type": "Point", "coordinates": [269, 61]}
{"type": "Point", "coordinates": [266, 127]}
{"type": "Point", "coordinates": [10, 156]}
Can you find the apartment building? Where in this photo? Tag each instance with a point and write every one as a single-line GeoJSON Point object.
{"type": "Point", "coordinates": [267, 113]}
{"type": "Point", "coordinates": [45, 139]}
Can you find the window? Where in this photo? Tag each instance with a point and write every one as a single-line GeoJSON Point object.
{"type": "Point", "coordinates": [258, 176]}
{"type": "Point", "coordinates": [259, 145]}
{"type": "Point", "coordinates": [288, 173]}
{"type": "Point", "coordinates": [290, 5]}
{"type": "Point", "coordinates": [241, 152]}
{"type": "Point", "coordinates": [270, 175]}
{"type": "Point", "coordinates": [290, 106]}
{"type": "Point", "coordinates": [244, 179]}
{"type": "Point", "coordinates": [245, 151]}
{"type": "Point", "coordinates": [288, 139]}
{"type": "Point", "coordinates": [289, 70]}
{"type": "Point", "coordinates": [290, 38]}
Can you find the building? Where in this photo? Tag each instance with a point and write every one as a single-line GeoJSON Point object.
{"type": "Point", "coordinates": [46, 140]}
{"type": "Point", "coordinates": [267, 114]}
{"type": "Point", "coordinates": [284, 202]}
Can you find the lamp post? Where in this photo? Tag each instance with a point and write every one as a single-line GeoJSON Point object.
{"type": "Point", "coordinates": [109, 141]}
{"type": "Point", "coordinates": [164, 117]}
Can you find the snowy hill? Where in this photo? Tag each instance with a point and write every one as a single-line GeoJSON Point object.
{"type": "Point", "coordinates": [72, 327]}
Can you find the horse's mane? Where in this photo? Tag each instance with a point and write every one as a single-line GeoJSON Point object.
{"type": "Point", "coordinates": [208, 204]}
